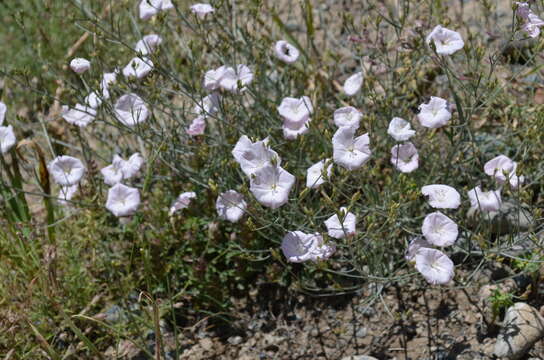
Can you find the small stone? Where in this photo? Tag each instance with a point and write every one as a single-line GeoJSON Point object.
{"type": "Point", "coordinates": [359, 357]}
{"type": "Point", "coordinates": [234, 340]}
{"type": "Point", "coordinates": [522, 328]}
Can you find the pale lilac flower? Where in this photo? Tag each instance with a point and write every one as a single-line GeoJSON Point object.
{"type": "Point", "coordinates": [123, 200]}
{"type": "Point", "coordinates": [107, 80]}
{"type": "Point", "coordinates": [254, 156]}
{"type": "Point", "coordinates": [314, 174]}
{"type": "Point", "coordinates": [292, 130]}
{"type": "Point", "coordinates": [148, 44]}
{"type": "Point", "coordinates": [296, 110]}
{"type": "Point", "coordinates": [446, 41]}
{"type": "Point", "coordinates": [415, 244]}
{"type": "Point", "coordinates": [532, 22]}
{"type": "Point", "coordinates": [353, 84]}
{"type": "Point", "coordinates": [271, 186]}
{"type": "Point", "coordinates": [434, 265]}
{"type": "Point", "coordinates": [138, 68]}
{"type": "Point", "coordinates": [80, 65]}
{"type": "Point", "coordinates": [485, 200]}
{"type": "Point", "coordinates": [347, 116]}
{"type": "Point", "coordinates": [208, 105]}
{"type": "Point", "coordinates": [133, 165]}
{"type": "Point", "coordinates": [197, 126]}
{"type": "Point", "coordinates": [340, 229]}
{"type": "Point", "coordinates": [7, 138]}
{"type": "Point", "coordinates": [435, 114]}
{"type": "Point", "coordinates": [348, 151]}
{"type": "Point", "coordinates": [66, 193]}
{"type": "Point", "coordinates": [231, 77]}
{"type": "Point", "coordinates": [298, 246]}
{"type": "Point", "coordinates": [182, 202]}
{"type": "Point", "coordinates": [3, 110]}
{"type": "Point", "coordinates": [231, 206]}
{"type": "Point", "coordinates": [400, 129]}
{"type": "Point", "coordinates": [212, 78]}
{"type": "Point", "coordinates": [503, 169]}
{"type": "Point", "coordinates": [405, 157]}
{"type": "Point", "coordinates": [66, 170]}
{"type": "Point", "coordinates": [130, 110]}
{"type": "Point", "coordinates": [442, 196]}
{"type": "Point", "coordinates": [81, 115]}
{"type": "Point", "coordinates": [93, 100]}
{"type": "Point", "coordinates": [201, 10]}
{"type": "Point", "coordinates": [150, 8]}
{"type": "Point", "coordinates": [121, 169]}
{"type": "Point", "coordinates": [439, 229]}
{"type": "Point", "coordinates": [286, 52]}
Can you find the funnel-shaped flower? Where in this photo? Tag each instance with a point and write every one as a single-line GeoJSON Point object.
{"type": "Point", "coordinates": [80, 65]}
{"type": "Point", "coordinates": [439, 229]}
{"type": "Point", "coordinates": [286, 52]}
{"type": "Point", "coordinates": [271, 186]}
{"type": "Point", "coordinates": [3, 110]}
{"type": "Point", "coordinates": [400, 129]}
{"type": "Point", "coordinates": [295, 110]}
{"type": "Point", "coordinates": [299, 247]}
{"type": "Point", "coordinates": [201, 10]}
{"type": "Point", "coordinates": [81, 115]}
{"type": "Point", "coordinates": [434, 265]}
{"type": "Point", "coordinates": [130, 110]}
{"type": "Point", "coordinates": [7, 138]}
{"type": "Point", "coordinates": [314, 174]}
{"type": "Point", "coordinates": [107, 80]}
{"type": "Point", "coordinates": [442, 196]}
{"type": "Point", "coordinates": [435, 114]}
{"type": "Point", "coordinates": [123, 200]}
{"type": "Point", "coordinates": [485, 200]}
{"type": "Point", "coordinates": [182, 202]}
{"type": "Point", "coordinates": [150, 8]}
{"type": "Point", "coordinates": [340, 229]}
{"type": "Point", "coordinates": [405, 157]}
{"type": "Point", "coordinates": [445, 41]}
{"type": "Point", "coordinates": [503, 169]}
{"type": "Point", "coordinates": [254, 156]}
{"type": "Point", "coordinates": [231, 206]}
{"type": "Point", "coordinates": [348, 151]}
{"type": "Point", "coordinates": [197, 127]}
{"type": "Point", "coordinates": [353, 84]}
{"type": "Point", "coordinates": [415, 244]}
{"type": "Point", "coordinates": [347, 116]}
{"type": "Point", "coordinates": [148, 44]}
{"type": "Point", "coordinates": [66, 170]}
{"type": "Point", "coordinates": [232, 77]}
{"type": "Point", "coordinates": [138, 68]}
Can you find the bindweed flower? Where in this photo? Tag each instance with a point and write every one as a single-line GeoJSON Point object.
{"type": "Point", "coordinates": [298, 247]}
{"type": "Point", "coordinates": [293, 130]}
{"type": "Point", "coordinates": [348, 151]}
{"type": "Point", "coordinates": [415, 244]}
{"type": "Point", "coordinates": [80, 65]}
{"type": "Point", "coordinates": [208, 105]}
{"type": "Point", "coordinates": [340, 229]}
{"type": "Point", "coordinates": [123, 200]}
{"type": "Point", "coordinates": [435, 114]}
{"type": "Point", "coordinates": [271, 186]}
{"type": "Point", "coordinates": [434, 265]}
{"type": "Point", "coordinates": [231, 206]}
{"type": "Point", "coordinates": [296, 110]}
{"type": "Point", "coordinates": [201, 10]}
{"type": "Point", "coordinates": [286, 52]}
{"type": "Point", "coordinates": [442, 196]}
{"type": "Point", "coordinates": [107, 80]}
{"type": "Point", "coordinates": [197, 126]}
{"type": "Point", "coordinates": [212, 78]}
{"type": "Point", "coordinates": [66, 193]}
{"type": "Point", "coordinates": [150, 8]}
{"type": "Point", "coordinates": [3, 110]}
{"type": "Point", "coordinates": [66, 170]}
{"type": "Point", "coordinates": [138, 68]}
{"type": "Point", "coordinates": [405, 157]}
{"type": "Point", "coordinates": [400, 130]}
{"type": "Point", "coordinates": [314, 174]}
{"type": "Point", "coordinates": [439, 229]}
{"type": "Point", "coordinates": [132, 165]}
{"type": "Point", "coordinates": [231, 78]}
{"type": "Point", "coordinates": [446, 41]}
{"type": "Point", "coordinates": [347, 116]}
{"type": "Point", "coordinates": [148, 44]}
{"type": "Point", "coordinates": [182, 202]}
{"type": "Point", "coordinates": [121, 169]}
{"type": "Point", "coordinates": [254, 156]}
{"type": "Point", "coordinates": [503, 169]}
{"type": "Point", "coordinates": [353, 84]}
{"type": "Point", "coordinates": [7, 138]}
{"type": "Point", "coordinates": [130, 110]}
{"type": "Point", "coordinates": [532, 23]}
{"type": "Point", "coordinates": [485, 200]}
{"type": "Point", "coordinates": [81, 115]}
{"type": "Point", "coordinates": [93, 100]}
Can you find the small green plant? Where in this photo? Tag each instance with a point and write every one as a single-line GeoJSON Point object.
{"type": "Point", "coordinates": [500, 301]}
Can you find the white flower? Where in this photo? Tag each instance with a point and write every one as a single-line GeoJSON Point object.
{"type": "Point", "coordinates": [182, 202]}
{"type": "Point", "coordinates": [286, 52]}
{"type": "Point", "coordinates": [532, 23]}
{"type": "Point", "coordinates": [212, 78]}
{"type": "Point", "coordinates": [314, 174]}
{"type": "Point", "coordinates": [66, 170]}
{"type": "Point", "coordinates": [149, 8]}
{"type": "Point", "coordinates": [347, 116]}
{"type": "Point", "coordinates": [348, 151]}
{"type": "Point", "coordinates": [435, 114]}
{"type": "Point", "coordinates": [132, 166]}
{"type": "Point", "coordinates": [123, 200]}
{"type": "Point", "coordinates": [434, 265]}
{"type": "Point", "coordinates": [415, 244]}
{"type": "Point", "coordinates": [93, 100]}
{"type": "Point", "coordinates": [66, 193]}
{"type": "Point", "coordinates": [340, 229]}
{"type": "Point", "coordinates": [197, 126]}
{"type": "Point", "coordinates": [148, 44]}
{"type": "Point", "coordinates": [353, 84]}
{"type": "Point", "coordinates": [271, 186]}
{"type": "Point", "coordinates": [208, 105]}
{"type": "Point", "coordinates": [292, 130]}
{"type": "Point", "coordinates": [299, 247]}
{"type": "Point", "coordinates": [439, 229]}
{"type": "Point", "coordinates": [130, 110]}
{"type": "Point", "coordinates": [231, 206]}
{"type": "Point", "coordinates": [138, 68]}
{"type": "Point", "coordinates": [295, 110]}
{"type": "Point", "coordinates": [121, 169]}
{"type": "Point", "coordinates": [7, 138]}
{"type": "Point", "coordinates": [503, 169]}
{"type": "Point", "coordinates": [3, 110]}
{"type": "Point", "coordinates": [253, 156]}
{"type": "Point", "coordinates": [201, 10]}
{"type": "Point", "coordinates": [405, 157]}
{"type": "Point", "coordinates": [400, 129]}
{"type": "Point", "coordinates": [445, 41]}
{"type": "Point", "coordinates": [442, 196]}
{"type": "Point", "coordinates": [485, 200]}
{"type": "Point", "coordinates": [231, 77]}
{"type": "Point", "coordinates": [81, 115]}
{"type": "Point", "coordinates": [80, 65]}
{"type": "Point", "coordinates": [107, 80]}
